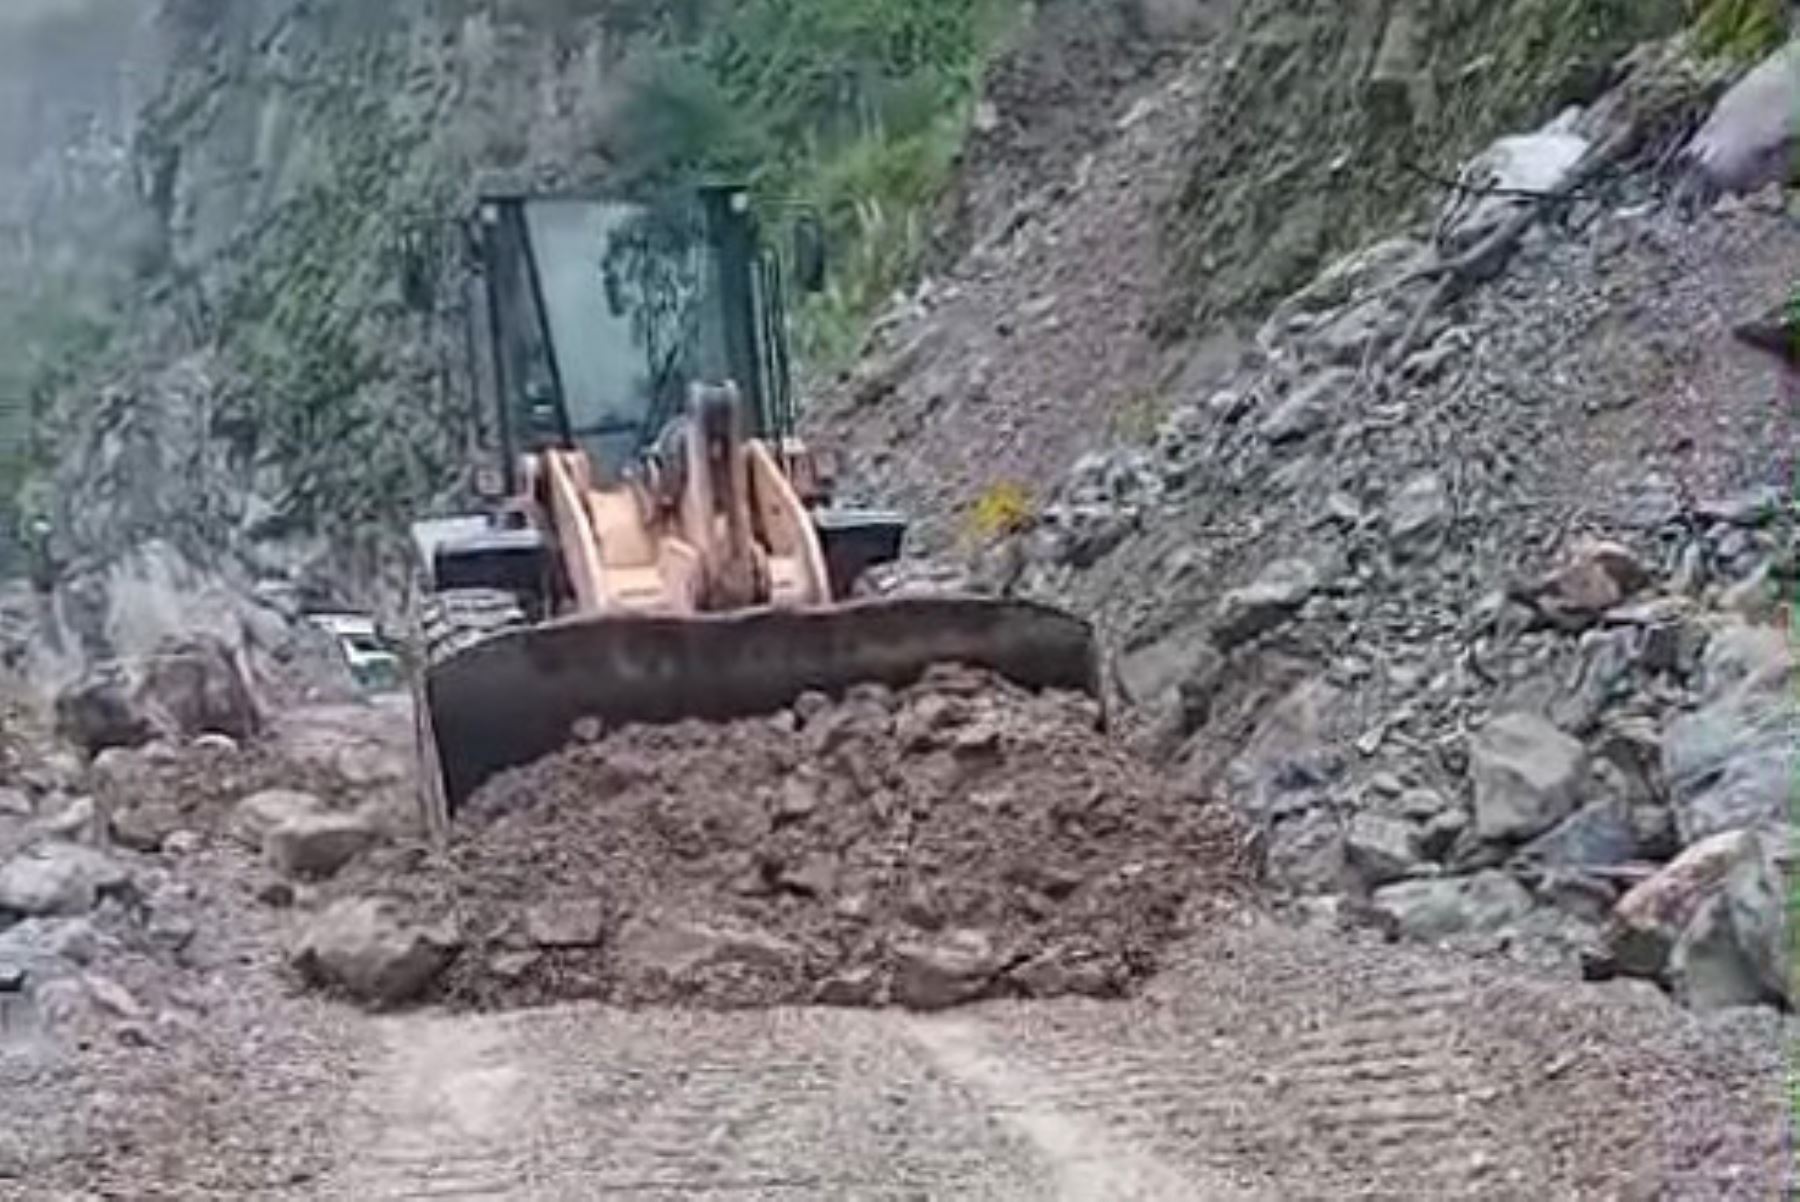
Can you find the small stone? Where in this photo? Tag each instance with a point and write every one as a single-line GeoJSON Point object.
{"type": "Point", "coordinates": [114, 998]}
{"type": "Point", "coordinates": [1419, 513]}
{"type": "Point", "coordinates": [215, 743]}
{"type": "Point", "coordinates": [573, 922]}
{"type": "Point", "coordinates": [276, 893]}
{"type": "Point", "coordinates": [143, 828]}
{"type": "Point", "coordinates": [79, 819]}
{"type": "Point", "coordinates": [258, 814]}
{"type": "Point", "coordinates": [1381, 848]}
{"type": "Point", "coordinates": [947, 971]}
{"type": "Point", "coordinates": [183, 843]}
{"type": "Point", "coordinates": [512, 966]}
{"type": "Point", "coordinates": [817, 876]}
{"type": "Point", "coordinates": [16, 803]}
{"type": "Point", "coordinates": [317, 845]}
{"type": "Point", "coordinates": [1272, 599]}
{"type": "Point", "coordinates": [1307, 408]}
{"type": "Point", "coordinates": [857, 986]}
{"type": "Point", "coordinates": [800, 797]}
{"type": "Point", "coordinates": [12, 977]}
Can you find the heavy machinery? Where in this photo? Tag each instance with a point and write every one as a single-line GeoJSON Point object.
{"type": "Point", "coordinates": [654, 542]}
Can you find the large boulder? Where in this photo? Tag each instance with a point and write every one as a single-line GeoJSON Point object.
{"type": "Point", "coordinates": [1711, 924]}
{"type": "Point", "coordinates": [1748, 141]}
{"type": "Point", "coordinates": [1527, 774]}
{"type": "Point", "coordinates": [57, 879]}
{"type": "Point", "coordinates": [186, 688]}
{"type": "Point", "coordinates": [1730, 763]}
{"type": "Point", "coordinates": [357, 945]}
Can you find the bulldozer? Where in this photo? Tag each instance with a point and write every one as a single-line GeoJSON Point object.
{"type": "Point", "coordinates": [651, 540]}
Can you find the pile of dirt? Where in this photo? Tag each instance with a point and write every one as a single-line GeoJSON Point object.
{"type": "Point", "coordinates": [960, 840]}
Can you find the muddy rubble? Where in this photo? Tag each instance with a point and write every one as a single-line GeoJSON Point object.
{"type": "Point", "coordinates": [959, 840]}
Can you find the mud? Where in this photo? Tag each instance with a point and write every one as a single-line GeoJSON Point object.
{"type": "Point", "coordinates": [960, 840]}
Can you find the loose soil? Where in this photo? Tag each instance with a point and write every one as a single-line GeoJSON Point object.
{"type": "Point", "coordinates": [960, 840]}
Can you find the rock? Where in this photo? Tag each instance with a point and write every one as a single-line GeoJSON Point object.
{"type": "Point", "coordinates": [816, 876]}
{"type": "Point", "coordinates": [1729, 764]}
{"type": "Point", "coordinates": [1597, 836]}
{"type": "Point", "coordinates": [185, 688]}
{"type": "Point", "coordinates": [1527, 776]}
{"type": "Point", "coordinates": [1536, 162]}
{"type": "Point", "coordinates": [1060, 973]}
{"type": "Point", "coordinates": [1755, 506]}
{"type": "Point", "coordinates": [255, 816]}
{"type": "Point", "coordinates": [1307, 407]}
{"type": "Point", "coordinates": [1747, 141]}
{"type": "Point", "coordinates": [182, 843]}
{"type": "Point", "coordinates": [1596, 578]}
{"type": "Point", "coordinates": [1381, 848]}
{"type": "Point", "coordinates": [513, 966]}
{"type": "Point", "coordinates": [143, 828]}
{"type": "Point", "coordinates": [1651, 918]}
{"type": "Point", "coordinates": [58, 879]}
{"type": "Point", "coordinates": [1450, 906]}
{"type": "Point", "coordinates": [316, 845]}
{"type": "Point", "coordinates": [357, 945]}
{"type": "Point", "coordinates": [1419, 513]}
{"type": "Point", "coordinates": [276, 893]}
{"type": "Point", "coordinates": [16, 803]}
{"type": "Point", "coordinates": [79, 819]}
{"type": "Point", "coordinates": [675, 949]}
{"type": "Point", "coordinates": [947, 971]}
{"type": "Point", "coordinates": [113, 997]}
{"type": "Point", "coordinates": [1149, 673]}
{"type": "Point", "coordinates": [1273, 598]}
{"type": "Point", "coordinates": [1308, 853]}
{"type": "Point", "coordinates": [855, 986]}
{"type": "Point", "coordinates": [1734, 949]}
{"type": "Point", "coordinates": [216, 744]}
{"type": "Point", "coordinates": [571, 922]}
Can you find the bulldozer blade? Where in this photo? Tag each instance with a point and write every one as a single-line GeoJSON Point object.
{"type": "Point", "coordinates": [517, 696]}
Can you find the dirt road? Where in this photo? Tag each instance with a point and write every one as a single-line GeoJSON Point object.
{"type": "Point", "coordinates": [1269, 1064]}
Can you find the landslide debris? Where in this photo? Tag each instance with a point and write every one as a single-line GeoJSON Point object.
{"type": "Point", "coordinates": [959, 840]}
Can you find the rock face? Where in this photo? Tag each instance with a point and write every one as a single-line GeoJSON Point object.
{"type": "Point", "coordinates": [1527, 776]}
{"type": "Point", "coordinates": [359, 946]}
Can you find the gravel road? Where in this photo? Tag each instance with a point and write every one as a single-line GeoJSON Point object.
{"type": "Point", "coordinates": [1271, 1063]}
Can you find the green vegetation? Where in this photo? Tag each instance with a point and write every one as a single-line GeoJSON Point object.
{"type": "Point", "coordinates": [57, 340]}
{"type": "Point", "coordinates": [855, 108]}
{"type": "Point", "coordinates": [1743, 31]}
{"type": "Point", "coordinates": [1310, 154]}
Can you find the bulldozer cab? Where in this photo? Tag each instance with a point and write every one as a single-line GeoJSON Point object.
{"type": "Point", "coordinates": [601, 312]}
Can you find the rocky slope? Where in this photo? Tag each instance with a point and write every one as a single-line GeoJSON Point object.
{"type": "Point", "coordinates": [1461, 575]}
